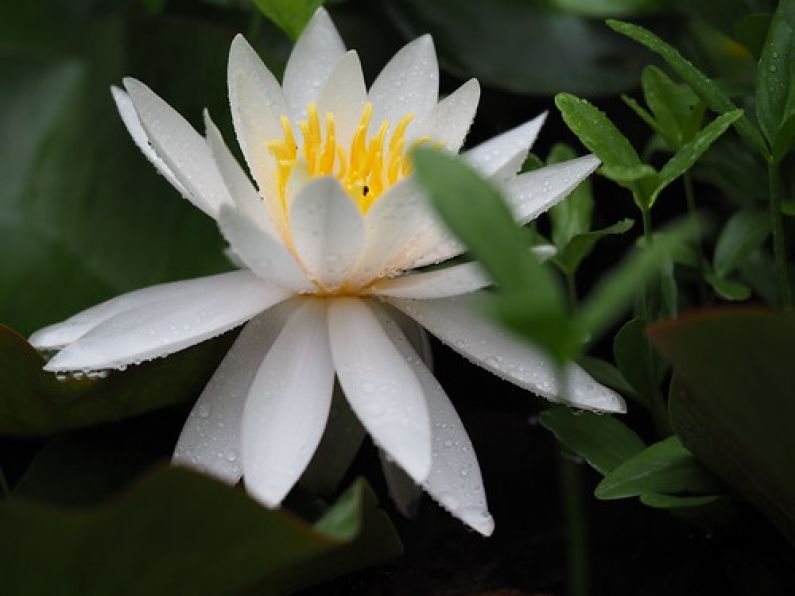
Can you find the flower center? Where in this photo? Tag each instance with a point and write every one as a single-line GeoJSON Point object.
{"type": "Point", "coordinates": [366, 168]}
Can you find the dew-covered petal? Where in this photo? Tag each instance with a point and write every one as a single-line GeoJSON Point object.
{"type": "Point", "coordinates": [60, 334]}
{"type": "Point", "coordinates": [133, 124]}
{"type": "Point", "coordinates": [328, 231]}
{"type": "Point", "coordinates": [160, 328]}
{"type": "Point", "coordinates": [210, 439]}
{"type": "Point", "coordinates": [392, 227]}
{"type": "Point", "coordinates": [344, 95]}
{"type": "Point", "coordinates": [441, 283]}
{"type": "Point", "coordinates": [408, 84]}
{"type": "Point", "coordinates": [500, 157]}
{"type": "Point", "coordinates": [532, 193]}
{"type": "Point", "coordinates": [262, 253]}
{"type": "Point", "coordinates": [455, 321]}
{"type": "Point", "coordinates": [455, 481]}
{"type": "Point", "coordinates": [449, 121]}
{"type": "Point", "coordinates": [380, 386]}
{"type": "Point", "coordinates": [183, 149]}
{"type": "Point", "coordinates": [311, 62]}
{"type": "Point", "coordinates": [288, 405]}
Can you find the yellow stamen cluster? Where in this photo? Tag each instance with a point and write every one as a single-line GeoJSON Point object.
{"type": "Point", "coordinates": [366, 168]}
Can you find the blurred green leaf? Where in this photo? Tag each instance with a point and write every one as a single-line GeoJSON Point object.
{"type": "Point", "coordinates": [728, 289]}
{"type": "Point", "coordinates": [733, 405]}
{"type": "Point", "coordinates": [572, 215]}
{"type": "Point", "coordinates": [635, 359]}
{"type": "Point", "coordinates": [712, 95]}
{"type": "Point", "coordinates": [751, 31]}
{"type": "Point", "coordinates": [688, 155]}
{"type": "Point", "coordinates": [560, 52]}
{"type": "Point", "coordinates": [291, 16]}
{"type": "Point", "coordinates": [674, 106]}
{"type": "Point", "coordinates": [665, 467]}
{"type": "Point", "coordinates": [606, 8]}
{"type": "Point", "coordinates": [581, 245]}
{"type": "Point", "coordinates": [603, 441]}
{"type": "Point", "coordinates": [211, 539]}
{"type": "Point", "coordinates": [744, 232]}
{"type": "Point", "coordinates": [775, 75]}
{"type": "Point", "coordinates": [34, 403]}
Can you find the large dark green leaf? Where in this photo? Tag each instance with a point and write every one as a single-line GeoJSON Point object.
{"type": "Point", "coordinates": [84, 215]}
{"type": "Point", "coordinates": [34, 402]}
{"type": "Point", "coordinates": [521, 45]}
{"type": "Point", "coordinates": [211, 539]}
{"type": "Point", "coordinates": [735, 405]}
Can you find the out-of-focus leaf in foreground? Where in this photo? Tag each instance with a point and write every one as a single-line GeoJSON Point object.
{"type": "Point", "coordinates": [734, 404]}
{"type": "Point", "coordinates": [211, 539]}
{"type": "Point", "coordinates": [290, 15]}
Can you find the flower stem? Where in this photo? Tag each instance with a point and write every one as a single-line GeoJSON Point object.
{"type": "Point", "coordinates": [779, 242]}
{"type": "Point", "coordinates": [571, 487]}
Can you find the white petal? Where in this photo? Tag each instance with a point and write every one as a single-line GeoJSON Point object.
{"type": "Point", "coordinates": [160, 328]}
{"type": "Point", "coordinates": [256, 101]}
{"type": "Point", "coordinates": [441, 283]}
{"type": "Point", "coordinates": [501, 157]}
{"type": "Point", "coordinates": [328, 231]}
{"type": "Point", "coordinates": [242, 191]}
{"type": "Point", "coordinates": [261, 253]}
{"type": "Point", "coordinates": [73, 328]}
{"type": "Point", "coordinates": [450, 119]}
{"type": "Point", "coordinates": [380, 385]}
{"type": "Point", "coordinates": [455, 481]}
{"type": "Point", "coordinates": [408, 84]}
{"type": "Point", "coordinates": [456, 322]}
{"type": "Point", "coordinates": [130, 118]}
{"type": "Point", "coordinates": [314, 56]}
{"type": "Point", "coordinates": [404, 492]}
{"type": "Point", "coordinates": [183, 149]}
{"type": "Point", "coordinates": [288, 405]}
{"type": "Point", "coordinates": [532, 193]}
{"type": "Point", "coordinates": [210, 439]}
{"type": "Point", "coordinates": [392, 226]}
{"type": "Point", "coordinates": [344, 95]}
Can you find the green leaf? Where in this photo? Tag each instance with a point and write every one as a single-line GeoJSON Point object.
{"type": "Point", "coordinates": [659, 501]}
{"type": "Point", "coordinates": [644, 115]}
{"type": "Point", "coordinates": [635, 359]}
{"type": "Point", "coordinates": [607, 374]}
{"type": "Point", "coordinates": [580, 55]}
{"type": "Point", "coordinates": [785, 137]}
{"type": "Point", "coordinates": [728, 289]}
{"type": "Point", "coordinates": [710, 93]}
{"type": "Point", "coordinates": [744, 233]}
{"type": "Point", "coordinates": [775, 75]}
{"type": "Point", "coordinates": [603, 441]}
{"type": "Point", "coordinates": [291, 16]}
{"type": "Point", "coordinates": [210, 538]}
{"type": "Point", "coordinates": [34, 403]}
{"type": "Point", "coordinates": [606, 8]}
{"type": "Point", "coordinates": [628, 176]}
{"type": "Point", "coordinates": [734, 407]}
{"type": "Point", "coordinates": [581, 245]}
{"type": "Point", "coordinates": [485, 224]}
{"type": "Point", "coordinates": [673, 105]}
{"type": "Point", "coordinates": [572, 215]}
{"type": "Point", "coordinates": [688, 155]}
{"type": "Point", "coordinates": [665, 467]}
{"type": "Point", "coordinates": [751, 31]}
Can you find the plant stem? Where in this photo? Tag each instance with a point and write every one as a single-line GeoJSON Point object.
{"type": "Point", "coordinates": [647, 228]}
{"type": "Point", "coordinates": [779, 242]}
{"type": "Point", "coordinates": [576, 523]}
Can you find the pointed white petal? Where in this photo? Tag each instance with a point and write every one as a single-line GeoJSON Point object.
{"type": "Point", "coordinates": [455, 481]}
{"type": "Point", "coordinates": [328, 231]}
{"type": "Point", "coordinates": [344, 95]}
{"type": "Point", "coordinates": [161, 328]}
{"type": "Point", "coordinates": [404, 492]}
{"type": "Point", "coordinates": [183, 149]}
{"type": "Point", "coordinates": [532, 193]}
{"type": "Point", "coordinates": [242, 191]}
{"type": "Point", "coordinates": [392, 227]}
{"type": "Point", "coordinates": [380, 385]}
{"type": "Point", "coordinates": [408, 84]}
{"type": "Point", "coordinates": [73, 328]}
{"type": "Point", "coordinates": [130, 118]}
{"type": "Point", "coordinates": [501, 157]}
{"type": "Point", "coordinates": [261, 253]}
{"type": "Point", "coordinates": [450, 119]}
{"type": "Point", "coordinates": [210, 439]}
{"type": "Point", "coordinates": [288, 405]}
{"type": "Point", "coordinates": [314, 56]}
{"type": "Point", "coordinates": [441, 283]}
{"type": "Point", "coordinates": [455, 321]}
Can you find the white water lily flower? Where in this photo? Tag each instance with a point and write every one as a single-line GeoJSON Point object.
{"type": "Point", "coordinates": [328, 241]}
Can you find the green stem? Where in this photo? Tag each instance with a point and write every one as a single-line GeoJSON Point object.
{"type": "Point", "coordinates": [571, 487]}
{"type": "Point", "coordinates": [571, 289]}
{"type": "Point", "coordinates": [779, 242]}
